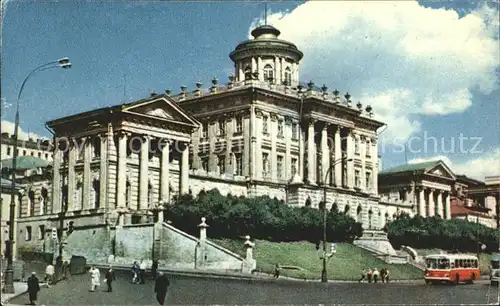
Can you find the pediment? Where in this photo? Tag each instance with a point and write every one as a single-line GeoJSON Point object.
{"type": "Point", "coordinates": [162, 108]}
{"type": "Point", "coordinates": [441, 170]}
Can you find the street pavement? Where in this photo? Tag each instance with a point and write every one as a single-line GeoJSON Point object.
{"type": "Point", "coordinates": [203, 290]}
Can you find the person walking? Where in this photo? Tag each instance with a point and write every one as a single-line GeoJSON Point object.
{"type": "Point", "coordinates": [369, 275]}
{"type": "Point", "coordinates": [135, 271]}
{"type": "Point", "coordinates": [110, 277]}
{"type": "Point", "coordinates": [49, 274]}
{"type": "Point", "coordinates": [363, 276]}
{"type": "Point", "coordinates": [161, 288]}
{"type": "Point", "coordinates": [277, 271]}
{"type": "Point", "coordinates": [33, 288]}
{"type": "Point", "coordinates": [95, 278]}
{"type": "Point", "coordinates": [376, 275]}
{"type": "Point", "coordinates": [142, 273]}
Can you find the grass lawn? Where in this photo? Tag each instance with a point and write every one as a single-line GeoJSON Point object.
{"type": "Point", "coordinates": [346, 264]}
{"type": "Point", "coordinates": [484, 258]}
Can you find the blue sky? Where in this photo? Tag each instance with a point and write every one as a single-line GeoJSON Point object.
{"type": "Point", "coordinates": [432, 84]}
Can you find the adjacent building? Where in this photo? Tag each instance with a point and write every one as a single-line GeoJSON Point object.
{"type": "Point", "coordinates": [40, 148]}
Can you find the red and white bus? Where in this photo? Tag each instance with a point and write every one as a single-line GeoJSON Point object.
{"type": "Point", "coordinates": [451, 268]}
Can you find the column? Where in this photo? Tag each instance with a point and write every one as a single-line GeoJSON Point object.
{"type": "Point", "coordinates": [248, 140]}
{"type": "Point", "coordinates": [253, 65]}
{"type": "Point", "coordinates": [260, 69]}
{"type": "Point", "coordinates": [440, 210]}
{"type": "Point", "coordinates": [86, 173]}
{"type": "Point", "coordinates": [122, 170]}
{"type": "Point", "coordinates": [71, 176]}
{"type": "Point", "coordinates": [241, 73]}
{"type": "Point", "coordinates": [362, 152]}
{"type": "Point", "coordinates": [165, 172]}
{"type": "Point", "coordinates": [302, 138]}
{"type": "Point", "coordinates": [56, 180]}
{"type": "Point", "coordinates": [374, 155]}
{"type": "Point", "coordinates": [288, 158]}
{"type": "Point", "coordinates": [273, 156]}
{"type": "Point", "coordinates": [421, 202]}
{"type": "Point", "coordinates": [256, 137]}
{"type": "Point", "coordinates": [350, 164]}
{"type": "Point", "coordinates": [338, 156]}
{"type": "Point", "coordinates": [229, 146]}
{"type": "Point", "coordinates": [276, 70]}
{"type": "Point", "coordinates": [143, 173]}
{"type": "Point", "coordinates": [431, 208]}
{"type": "Point", "coordinates": [103, 171]}
{"type": "Point", "coordinates": [184, 179]}
{"type": "Point", "coordinates": [447, 213]}
{"type": "Point", "coordinates": [325, 157]}
{"type": "Point", "coordinates": [311, 154]}
{"type": "Point", "coordinates": [212, 137]}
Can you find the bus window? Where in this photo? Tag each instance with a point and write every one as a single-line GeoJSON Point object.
{"type": "Point", "coordinates": [444, 263]}
{"type": "Point", "coordinates": [495, 264]}
{"type": "Point", "coordinates": [476, 264]}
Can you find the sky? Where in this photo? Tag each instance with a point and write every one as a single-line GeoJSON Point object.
{"type": "Point", "coordinates": [430, 70]}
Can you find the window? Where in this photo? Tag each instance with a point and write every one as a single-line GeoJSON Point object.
{"type": "Point", "coordinates": [248, 73]}
{"type": "Point", "coordinates": [356, 146]}
{"type": "Point", "coordinates": [280, 128]}
{"type": "Point", "coordinates": [357, 178]}
{"type": "Point", "coordinates": [204, 130]}
{"type": "Point", "coordinates": [8, 151]}
{"type": "Point", "coordinates": [265, 165]}
{"type": "Point", "coordinates": [46, 156]}
{"type": "Point", "coordinates": [264, 124]}
{"type": "Point", "coordinates": [222, 127]}
{"type": "Point", "coordinates": [368, 180]}
{"type": "Point", "coordinates": [295, 131]}
{"type": "Point", "coordinates": [24, 152]}
{"type": "Point", "coordinates": [39, 155]}
{"type": "Point", "coordinates": [268, 73]}
{"type": "Point", "coordinates": [31, 199]}
{"type": "Point", "coordinates": [368, 149]}
{"type": "Point", "coordinates": [288, 76]}
{"type": "Point", "coordinates": [279, 167]}
{"type": "Point", "coordinates": [239, 124]}
{"type": "Point", "coordinates": [96, 145]}
{"type": "Point", "coordinates": [28, 233]}
{"type": "Point", "coordinates": [41, 232]}
{"type": "Point", "coordinates": [239, 164]}
{"type": "Point", "coordinates": [204, 164]}
{"type": "Point", "coordinates": [221, 163]}
{"type": "Point", "coordinates": [32, 153]}
{"type": "Point", "coordinates": [128, 193]}
{"type": "Point", "coordinates": [294, 166]}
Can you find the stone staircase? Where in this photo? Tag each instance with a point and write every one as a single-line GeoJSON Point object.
{"type": "Point", "coordinates": [377, 243]}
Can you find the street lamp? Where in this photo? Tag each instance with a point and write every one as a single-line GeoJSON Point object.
{"type": "Point", "coordinates": [324, 277]}
{"type": "Point", "coordinates": [9, 272]}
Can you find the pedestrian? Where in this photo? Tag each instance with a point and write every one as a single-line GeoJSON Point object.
{"type": "Point", "coordinates": [49, 274]}
{"type": "Point", "coordinates": [33, 288]}
{"type": "Point", "coordinates": [363, 276]}
{"type": "Point", "coordinates": [110, 277]}
{"type": "Point", "coordinates": [161, 287]}
{"type": "Point", "coordinates": [142, 273]}
{"type": "Point", "coordinates": [387, 275]}
{"type": "Point", "coordinates": [135, 271]}
{"type": "Point", "coordinates": [95, 278]}
{"type": "Point", "coordinates": [369, 275]}
{"type": "Point", "coordinates": [277, 271]}
{"type": "Point", "coordinates": [382, 275]}
{"type": "Point", "coordinates": [376, 275]}
{"type": "Point", "coordinates": [154, 268]}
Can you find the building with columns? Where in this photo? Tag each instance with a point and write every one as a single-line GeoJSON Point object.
{"type": "Point", "coordinates": [422, 188]}
{"type": "Point", "coordinates": [261, 133]}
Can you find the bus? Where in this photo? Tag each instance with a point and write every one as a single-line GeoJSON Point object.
{"type": "Point", "coordinates": [495, 269]}
{"type": "Point", "coordinates": [451, 268]}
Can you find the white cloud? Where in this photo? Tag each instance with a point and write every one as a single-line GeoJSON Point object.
{"type": "Point", "coordinates": [486, 165]}
{"type": "Point", "coordinates": [8, 127]}
{"type": "Point", "coordinates": [401, 58]}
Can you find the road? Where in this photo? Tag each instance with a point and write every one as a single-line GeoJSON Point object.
{"type": "Point", "coordinates": [194, 290]}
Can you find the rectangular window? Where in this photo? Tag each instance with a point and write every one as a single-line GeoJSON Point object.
{"type": "Point", "coordinates": [8, 151]}
{"type": "Point", "coordinates": [28, 233]}
{"type": "Point", "coordinates": [279, 167]}
{"type": "Point", "coordinates": [222, 127]}
{"type": "Point", "coordinates": [39, 155]}
{"type": "Point", "coordinates": [221, 163]}
{"type": "Point", "coordinates": [239, 124]}
{"type": "Point", "coordinates": [357, 178]}
{"type": "Point", "coordinates": [295, 134]}
{"type": "Point", "coordinates": [24, 152]}
{"type": "Point", "coordinates": [280, 128]}
{"type": "Point", "coordinates": [264, 124]}
{"type": "Point", "coordinates": [368, 149]}
{"type": "Point", "coordinates": [356, 146]}
{"type": "Point", "coordinates": [266, 171]}
{"type": "Point", "coordinates": [368, 180]}
{"type": "Point", "coordinates": [204, 163]}
{"type": "Point", "coordinates": [41, 232]}
{"type": "Point", "coordinates": [204, 130]}
{"type": "Point", "coordinates": [239, 164]}
{"type": "Point", "coordinates": [294, 166]}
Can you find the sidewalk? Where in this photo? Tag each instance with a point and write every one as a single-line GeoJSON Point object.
{"type": "Point", "coordinates": [19, 289]}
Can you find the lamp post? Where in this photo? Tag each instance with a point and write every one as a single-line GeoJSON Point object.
{"type": "Point", "coordinates": [9, 272]}
{"type": "Point", "coordinates": [324, 277]}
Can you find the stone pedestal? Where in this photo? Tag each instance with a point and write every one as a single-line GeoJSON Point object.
{"type": "Point", "coordinates": [375, 241]}
{"type": "Point", "coordinates": [249, 264]}
{"type": "Point", "coordinates": [202, 243]}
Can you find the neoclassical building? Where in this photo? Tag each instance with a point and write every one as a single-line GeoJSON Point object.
{"type": "Point", "coordinates": [422, 188]}
{"type": "Point", "coordinates": [261, 133]}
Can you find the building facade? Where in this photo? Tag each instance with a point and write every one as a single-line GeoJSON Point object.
{"type": "Point", "coordinates": [32, 147]}
{"type": "Point", "coordinates": [261, 133]}
{"type": "Point", "coordinates": [423, 188]}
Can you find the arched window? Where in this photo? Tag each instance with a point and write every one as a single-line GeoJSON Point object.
{"type": "Point", "coordinates": [346, 209]}
{"type": "Point", "coordinates": [31, 202]}
{"type": "Point", "coordinates": [308, 202]}
{"type": "Point", "coordinates": [359, 210]}
{"type": "Point", "coordinates": [128, 193]}
{"type": "Point", "coordinates": [288, 77]}
{"type": "Point", "coordinates": [321, 205]}
{"type": "Point", "coordinates": [268, 73]}
{"type": "Point", "coordinates": [96, 185]}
